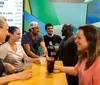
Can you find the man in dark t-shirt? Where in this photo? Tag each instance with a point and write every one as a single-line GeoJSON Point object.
{"type": "Point", "coordinates": [34, 44]}
{"type": "Point", "coordinates": [32, 40]}
{"type": "Point", "coordinates": [68, 51]}
{"type": "Point", "coordinates": [51, 39]}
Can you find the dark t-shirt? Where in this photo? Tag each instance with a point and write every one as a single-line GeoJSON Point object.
{"type": "Point", "coordinates": [49, 41]}
{"type": "Point", "coordinates": [34, 44]}
{"type": "Point", "coordinates": [68, 52]}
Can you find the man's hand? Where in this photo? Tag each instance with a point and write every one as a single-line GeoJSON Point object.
{"type": "Point", "coordinates": [36, 60]}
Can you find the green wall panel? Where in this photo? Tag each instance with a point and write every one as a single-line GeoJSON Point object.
{"type": "Point", "coordinates": [44, 11]}
{"type": "Point", "coordinates": [26, 25]}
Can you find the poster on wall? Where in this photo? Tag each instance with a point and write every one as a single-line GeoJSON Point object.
{"type": "Point", "coordinates": [93, 12]}
{"type": "Point", "coordinates": [12, 10]}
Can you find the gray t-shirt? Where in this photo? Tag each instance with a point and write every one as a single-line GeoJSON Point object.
{"type": "Point", "coordinates": [14, 58]}
{"type": "Point", "coordinates": [34, 44]}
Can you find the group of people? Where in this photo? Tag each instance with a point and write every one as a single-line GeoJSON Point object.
{"type": "Point", "coordinates": [80, 53]}
{"type": "Point", "coordinates": [87, 68]}
{"type": "Point", "coordinates": [21, 75]}
{"type": "Point", "coordinates": [12, 54]}
{"type": "Point", "coordinates": [67, 51]}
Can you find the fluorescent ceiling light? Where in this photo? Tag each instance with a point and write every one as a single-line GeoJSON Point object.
{"type": "Point", "coordinates": [88, 1]}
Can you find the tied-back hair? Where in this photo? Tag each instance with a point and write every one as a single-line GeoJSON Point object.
{"type": "Point", "coordinates": [93, 37]}
{"type": "Point", "coordinates": [11, 30]}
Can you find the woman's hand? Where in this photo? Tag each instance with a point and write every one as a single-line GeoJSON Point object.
{"type": "Point", "coordinates": [57, 67]}
{"type": "Point", "coordinates": [33, 60]}
{"type": "Point", "coordinates": [10, 67]}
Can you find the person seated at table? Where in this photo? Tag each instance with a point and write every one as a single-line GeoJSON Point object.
{"type": "Point", "coordinates": [18, 76]}
{"type": "Point", "coordinates": [12, 53]}
{"type": "Point", "coordinates": [87, 68]}
{"type": "Point", "coordinates": [32, 40]}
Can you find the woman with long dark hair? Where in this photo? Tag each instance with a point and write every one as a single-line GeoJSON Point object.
{"type": "Point", "coordinates": [88, 67]}
{"type": "Point", "coordinates": [22, 75]}
{"type": "Point", "coordinates": [12, 52]}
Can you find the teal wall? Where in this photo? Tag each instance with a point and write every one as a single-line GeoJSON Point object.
{"type": "Point", "coordinates": [45, 11]}
{"type": "Point", "coordinates": [72, 13]}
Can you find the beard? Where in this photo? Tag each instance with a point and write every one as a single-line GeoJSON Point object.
{"type": "Point", "coordinates": [64, 33]}
{"type": "Point", "coordinates": [35, 34]}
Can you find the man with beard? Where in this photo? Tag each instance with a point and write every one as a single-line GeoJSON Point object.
{"type": "Point", "coordinates": [68, 51]}
{"type": "Point", "coordinates": [32, 40]}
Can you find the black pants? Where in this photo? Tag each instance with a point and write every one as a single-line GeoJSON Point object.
{"type": "Point", "coordinates": [72, 80]}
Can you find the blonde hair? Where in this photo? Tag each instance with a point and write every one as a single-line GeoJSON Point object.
{"type": "Point", "coordinates": [2, 21]}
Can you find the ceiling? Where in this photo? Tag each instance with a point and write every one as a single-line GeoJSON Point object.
{"type": "Point", "coordinates": [69, 1]}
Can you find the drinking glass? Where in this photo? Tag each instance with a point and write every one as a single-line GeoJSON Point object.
{"type": "Point", "coordinates": [50, 64]}
{"type": "Point", "coordinates": [53, 54]}
{"type": "Point", "coordinates": [42, 60]}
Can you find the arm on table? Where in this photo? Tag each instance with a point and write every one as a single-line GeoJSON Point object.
{"type": "Point", "coordinates": [43, 46]}
{"type": "Point", "coordinates": [68, 70]}
{"type": "Point", "coordinates": [10, 67]}
{"type": "Point", "coordinates": [18, 76]}
{"type": "Point", "coordinates": [33, 60]}
{"type": "Point", "coordinates": [29, 52]}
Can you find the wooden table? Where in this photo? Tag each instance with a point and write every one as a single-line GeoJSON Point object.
{"type": "Point", "coordinates": [40, 77]}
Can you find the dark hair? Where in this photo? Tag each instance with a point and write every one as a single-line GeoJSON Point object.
{"type": "Point", "coordinates": [11, 30]}
{"type": "Point", "coordinates": [91, 34]}
{"type": "Point", "coordinates": [67, 30]}
{"type": "Point", "coordinates": [47, 25]}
